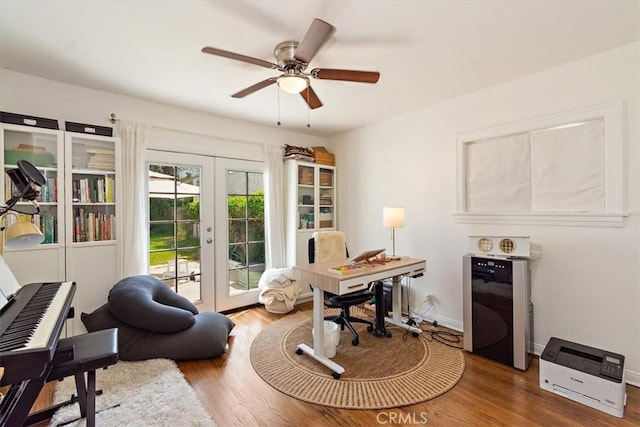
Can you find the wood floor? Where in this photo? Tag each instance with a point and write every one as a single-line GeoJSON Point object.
{"type": "Point", "coordinates": [489, 394]}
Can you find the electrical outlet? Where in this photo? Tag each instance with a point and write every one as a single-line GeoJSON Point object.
{"type": "Point", "coordinates": [416, 318]}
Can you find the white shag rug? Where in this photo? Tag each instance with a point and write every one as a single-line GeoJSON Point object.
{"type": "Point", "coordinates": [147, 393]}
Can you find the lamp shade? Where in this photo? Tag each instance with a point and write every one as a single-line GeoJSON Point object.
{"type": "Point", "coordinates": [293, 83]}
{"type": "Point", "coordinates": [393, 217]}
{"type": "Point", "coordinates": [22, 235]}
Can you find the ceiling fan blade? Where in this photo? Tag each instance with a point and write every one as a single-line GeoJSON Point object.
{"type": "Point", "coordinates": [317, 35]}
{"type": "Point", "coordinates": [309, 95]}
{"type": "Point", "coordinates": [254, 88]}
{"type": "Point", "coordinates": [346, 75]}
{"type": "Point", "coordinates": [238, 57]}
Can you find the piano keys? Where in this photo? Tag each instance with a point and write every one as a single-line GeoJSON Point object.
{"type": "Point", "coordinates": [30, 327]}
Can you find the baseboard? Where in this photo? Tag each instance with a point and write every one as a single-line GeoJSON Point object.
{"type": "Point", "coordinates": [632, 378]}
{"type": "Point", "coordinates": [302, 298]}
{"type": "Point", "coordinates": [455, 325]}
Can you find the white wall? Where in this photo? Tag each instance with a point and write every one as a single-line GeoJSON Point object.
{"type": "Point", "coordinates": [586, 285]}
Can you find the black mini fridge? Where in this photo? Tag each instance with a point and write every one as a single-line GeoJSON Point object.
{"type": "Point", "coordinates": [497, 309]}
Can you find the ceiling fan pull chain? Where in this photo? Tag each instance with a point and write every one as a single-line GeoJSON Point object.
{"type": "Point", "coordinates": [308, 108]}
{"type": "Point", "coordinates": [278, 122]}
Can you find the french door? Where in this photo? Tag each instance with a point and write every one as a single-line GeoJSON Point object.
{"type": "Point", "coordinates": [240, 242]}
{"type": "Point", "coordinates": [206, 227]}
{"type": "Point", "coordinates": [181, 220]}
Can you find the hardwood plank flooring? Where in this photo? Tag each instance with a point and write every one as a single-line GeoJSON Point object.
{"type": "Point", "coordinates": [489, 394]}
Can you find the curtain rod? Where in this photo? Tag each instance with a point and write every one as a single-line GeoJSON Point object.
{"type": "Point", "coordinates": [113, 119]}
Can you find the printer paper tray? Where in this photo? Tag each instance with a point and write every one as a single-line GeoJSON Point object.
{"type": "Point", "coordinates": [588, 400]}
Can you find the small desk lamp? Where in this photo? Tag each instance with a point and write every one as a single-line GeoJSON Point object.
{"type": "Point", "coordinates": [394, 218]}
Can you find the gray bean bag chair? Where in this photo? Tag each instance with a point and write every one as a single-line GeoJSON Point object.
{"type": "Point", "coordinates": [155, 322]}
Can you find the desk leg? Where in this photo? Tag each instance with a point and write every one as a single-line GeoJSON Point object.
{"type": "Point", "coordinates": [397, 307]}
{"type": "Point", "coordinates": [380, 330]}
{"type": "Point", "coordinates": [318, 337]}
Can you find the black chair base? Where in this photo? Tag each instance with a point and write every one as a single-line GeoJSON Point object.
{"type": "Point", "coordinates": [344, 319]}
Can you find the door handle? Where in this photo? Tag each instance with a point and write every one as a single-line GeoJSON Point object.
{"type": "Point", "coordinates": [209, 240]}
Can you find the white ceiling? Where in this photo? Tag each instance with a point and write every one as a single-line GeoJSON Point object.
{"type": "Point", "coordinates": [426, 51]}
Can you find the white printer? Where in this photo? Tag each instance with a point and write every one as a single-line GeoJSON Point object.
{"type": "Point", "coordinates": [585, 374]}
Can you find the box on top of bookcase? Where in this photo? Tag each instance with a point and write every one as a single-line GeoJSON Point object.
{"type": "Point", "coordinates": [25, 120]}
{"type": "Point", "coordinates": [88, 129]}
{"type": "Point", "coordinates": [323, 157]}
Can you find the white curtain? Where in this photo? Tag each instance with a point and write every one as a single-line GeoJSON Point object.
{"type": "Point", "coordinates": [274, 207]}
{"type": "Point", "coordinates": [134, 241]}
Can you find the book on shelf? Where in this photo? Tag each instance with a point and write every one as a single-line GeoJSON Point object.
{"type": "Point", "coordinates": [102, 159]}
{"type": "Point", "coordinates": [93, 226]}
{"type": "Point", "coordinates": [105, 151]}
{"type": "Point", "coordinates": [93, 190]}
{"type": "Point", "coordinates": [31, 148]}
{"type": "Point", "coordinates": [347, 268]}
{"type": "Point", "coordinates": [49, 228]}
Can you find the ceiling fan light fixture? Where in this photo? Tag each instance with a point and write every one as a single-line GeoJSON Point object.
{"type": "Point", "coordinates": [293, 83]}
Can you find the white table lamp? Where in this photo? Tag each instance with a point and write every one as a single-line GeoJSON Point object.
{"type": "Point", "coordinates": [394, 218]}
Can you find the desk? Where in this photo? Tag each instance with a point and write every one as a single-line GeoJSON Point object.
{"type": "Point", "coordinates": [321, 279]}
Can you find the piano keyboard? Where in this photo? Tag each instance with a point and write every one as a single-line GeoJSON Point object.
{"type": "Point", "coordinates": [30, 327]}
{"type": "Point", "coordinates": [33, 327]}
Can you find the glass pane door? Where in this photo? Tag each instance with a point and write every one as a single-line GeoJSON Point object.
{"type": "Point", "coordinates": [240, 232]}
{"type": "Point", "coordinates": [245, 206]}
{"type": "Point", "coordinates": [181, 212]}
{"type": "Point", "coordinates": [174, 227]}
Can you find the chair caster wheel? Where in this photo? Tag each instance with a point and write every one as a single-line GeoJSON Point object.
{"type": "Point", "coordinates": [415, 334]}
{"type": "Point", "coordinates": [335, 375]}
{"type": "Point", "coordinates": [355, 341]}
{"type": "Point", "coordinates": [369, 328]}
{"type": "Point", "coordinates": [298, 351]}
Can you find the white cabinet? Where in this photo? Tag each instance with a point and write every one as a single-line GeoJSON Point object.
{"type": "Point", "coordinates": [93, 218]}
{"type": "Point", "coordinates": [79, 211]}
{"type": "Point", "coordinates": [310, 205]}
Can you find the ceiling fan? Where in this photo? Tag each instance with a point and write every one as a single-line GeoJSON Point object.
{"type": "Point", "coordinates": [292, 60]}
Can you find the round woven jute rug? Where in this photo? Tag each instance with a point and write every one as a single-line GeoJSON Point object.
{"type": "Point", "coordinates": [379, 373]}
